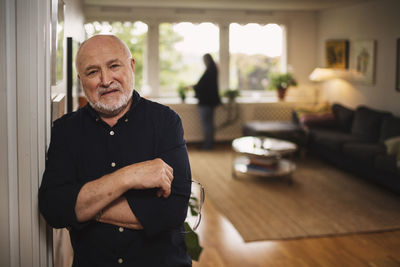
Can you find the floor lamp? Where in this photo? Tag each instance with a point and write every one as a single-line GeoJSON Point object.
{"type": "Point", "coordinates": [320, 75]}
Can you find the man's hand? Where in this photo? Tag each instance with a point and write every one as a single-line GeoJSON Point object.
{"type": "Point", "coordinates": [151, 174]}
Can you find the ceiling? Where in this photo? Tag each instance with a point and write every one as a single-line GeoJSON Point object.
{"type": "Point", "coordinates": [228, 4]}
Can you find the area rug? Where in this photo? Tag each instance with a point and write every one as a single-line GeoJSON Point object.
{"type": "Point", "coordinates": [321, 201]}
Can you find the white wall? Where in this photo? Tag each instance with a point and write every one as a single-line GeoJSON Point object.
{"type": "Point", "coordinates": [24, 27]}
{"type": "Point", "coordinates": [302, 47]}
{"type": "Point", "coordinates": [377, 20]}
{"type": "Point", "coordinates": [4, 206]}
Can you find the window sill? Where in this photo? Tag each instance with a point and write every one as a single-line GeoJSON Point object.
{"type": "Point", "coordinates": [241, 99]}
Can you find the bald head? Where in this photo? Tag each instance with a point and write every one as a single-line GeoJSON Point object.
{"type": "Point", "coordinates": [99, 43]}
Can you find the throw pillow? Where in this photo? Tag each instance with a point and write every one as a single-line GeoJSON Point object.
{"type": "Point", "coordinates": [319, 115]}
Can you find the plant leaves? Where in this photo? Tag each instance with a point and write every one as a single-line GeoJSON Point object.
{"type": "Point", "coordinates": [193, 206]}
{"type": "Point", "coordinates": [192, 243]}
{"type": "Point", "coordinates": [193, 210]}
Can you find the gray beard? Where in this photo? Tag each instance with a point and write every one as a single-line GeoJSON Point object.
{"type": "Point", "coordinates": [112, 110]}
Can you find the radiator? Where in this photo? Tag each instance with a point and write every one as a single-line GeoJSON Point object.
{"type": "Point", "coordinates": [274, 111]}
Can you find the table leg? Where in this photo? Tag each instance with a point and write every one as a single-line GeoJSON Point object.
{"type": "Point", "coordinates": [289, 179]}
{"type": "Point", "coordinates": [233, 169]}
{"type": "Point", "coordinates": [233, 166]}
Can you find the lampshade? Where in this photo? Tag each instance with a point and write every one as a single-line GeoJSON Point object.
{"type": "Point", "coordinates": [325, 74]}
{"type": "Point", "coordinates": [322, 74]}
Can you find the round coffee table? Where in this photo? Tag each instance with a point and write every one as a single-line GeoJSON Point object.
{"type": "Point", "coordinates": [263, 156]}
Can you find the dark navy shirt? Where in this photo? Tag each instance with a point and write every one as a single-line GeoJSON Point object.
{"type": "Point", "coordinates": [84, 148]}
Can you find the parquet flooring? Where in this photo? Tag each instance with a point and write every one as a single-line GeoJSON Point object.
{"type": "Point", "coordinates": [223, 246]}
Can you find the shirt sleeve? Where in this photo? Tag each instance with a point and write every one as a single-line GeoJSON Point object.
{"type": "Point", "coordinates": [160, 214]}
{"type": "Point", "coordinates": [59, 190]}
{"type": "Point", "coordinates": [201, 84]}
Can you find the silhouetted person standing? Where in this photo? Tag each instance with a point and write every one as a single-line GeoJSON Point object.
{"type": "Point", "coordinates": [207, 93]}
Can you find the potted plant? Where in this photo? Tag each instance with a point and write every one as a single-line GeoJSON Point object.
{"type": "Point", "coordinates": [182, 91]}
{"type": "Point", "coordinates": [281, 82]}
{"type": "Point", "coordinates": [231, 94]}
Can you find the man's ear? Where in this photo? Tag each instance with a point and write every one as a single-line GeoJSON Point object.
{"type": "Point", "coordinates": [79, 77]}
{"type": "Point", "coordinates": [133, 64]}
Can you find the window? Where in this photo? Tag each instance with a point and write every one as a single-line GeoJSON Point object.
{"type": "Point", "coordinates": [133, 34]}
{"type": "Point", "coordinates": [255, 51]}
{"type": "Point", "coordinates": [182, 46]}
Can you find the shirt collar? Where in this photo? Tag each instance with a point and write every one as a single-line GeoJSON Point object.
{"type": "Point", "coordinates": [135, 100]}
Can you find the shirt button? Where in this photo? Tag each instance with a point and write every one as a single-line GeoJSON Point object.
{"type": "Point", "coordinates": [112, 133]}
{"type": "Point", "coordinates": [120, 260]}
{"type": "Point", "coordinates": [97, 119]}
{"type": "Point", "coordinates": [113, 164]}
{"type": "Point", "coordinates": [126, 120]}
{"type": "Point", "coordinates": [121, 229]}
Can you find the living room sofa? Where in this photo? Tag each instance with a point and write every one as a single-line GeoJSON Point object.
{"type": "Point", "coordinates": [357, 140]}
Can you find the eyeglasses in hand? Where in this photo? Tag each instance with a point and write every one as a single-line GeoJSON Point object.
{"type": "Point", "coordinates": [196, 202]}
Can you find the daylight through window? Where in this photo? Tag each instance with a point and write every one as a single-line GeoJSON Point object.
{"type": "Point", "coordinates": [182, 46]}
{"type": "Point", "coordinates": [255, 51]}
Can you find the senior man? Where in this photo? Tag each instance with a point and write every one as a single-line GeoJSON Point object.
{"type": "Point", "coordinates": [117, 171]}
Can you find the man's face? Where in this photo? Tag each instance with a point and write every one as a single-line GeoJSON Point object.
{"type": "Point", "coordinates": [106, 71]}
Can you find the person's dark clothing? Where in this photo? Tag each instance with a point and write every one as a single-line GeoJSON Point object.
{"type": "Point", "coordinates": [207, 119]}
{"type": "Point", "coordinates": [207, 93]}
{"type": "Point", "coordinates": [207, 88]}
{"type": "Point", "coordinates": [84, 148]}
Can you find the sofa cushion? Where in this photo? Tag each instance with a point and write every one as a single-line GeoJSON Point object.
{"type": "Point", "coordinates": [386, 163]}
{"type": "Point", "coordinates": [343, 116]}
{"type": "Point", "coordinates": [363, 151]}
{"type": "Point", "coordinates": [331, 139]}
{"type": "Point", "coordinates": [318, 120]}
{"type": "Point", "coordinates": [367, 123]}
{"type": "Point", "coordinates": [390, 128]}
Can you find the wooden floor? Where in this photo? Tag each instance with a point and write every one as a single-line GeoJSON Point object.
{"type": "Point", "coordinates": [223, 246]}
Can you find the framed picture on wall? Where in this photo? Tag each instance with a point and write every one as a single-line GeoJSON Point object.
{"type": "Point", "coordinates": [73, 84]}
{"type": "Point", "coordinates": [337, 54]}
{"type": "Point", "coordinates": [398, 66]}
{"type": "Point", "coordinates": [362, 60]}
{"type": "Point", "coordinates": [57, 41]}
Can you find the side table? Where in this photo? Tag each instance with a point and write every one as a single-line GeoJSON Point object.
{"type": "Point", "coordinates": [285, 130]}
{"type": "Point", "coordinates": [263, 156]}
